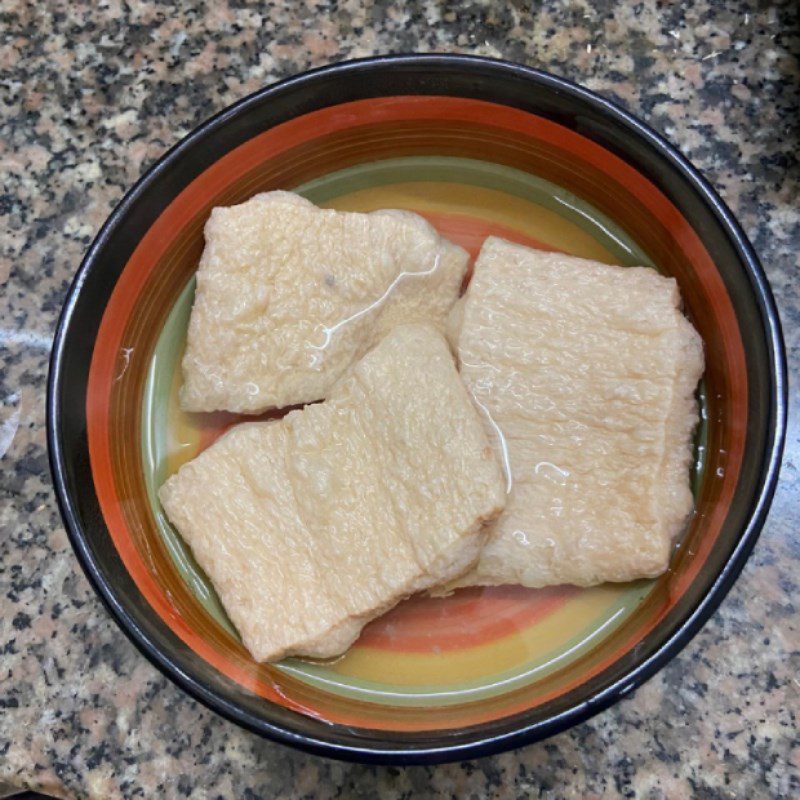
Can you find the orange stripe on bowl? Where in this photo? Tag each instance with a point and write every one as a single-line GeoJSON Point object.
{"type": "Point", "coordinates": [421, 623]}
{"type": "Point", "coordinates": [461, 229]}
{"type": "Point", "coordinates": [197, 198]}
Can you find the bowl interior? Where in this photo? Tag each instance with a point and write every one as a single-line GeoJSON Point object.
{"type": "Point", "coordinates": [483, 661]}
{"type": "Point", "coordinates": [480, 642]}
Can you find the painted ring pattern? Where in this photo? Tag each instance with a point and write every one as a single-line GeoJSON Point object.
{"type": "Point", "coordinates": [299, 152]}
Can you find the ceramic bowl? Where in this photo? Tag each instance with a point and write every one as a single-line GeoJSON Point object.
{"type": "Point", "coordinates": [478, 147]}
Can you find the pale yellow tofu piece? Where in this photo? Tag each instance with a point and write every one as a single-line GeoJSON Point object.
{"type": "Point", "coordinates": [589, 371]}
{"type": "Point", "coordinates": [289, 296]}
{"type": "Point", "coordinates": [312, 525]}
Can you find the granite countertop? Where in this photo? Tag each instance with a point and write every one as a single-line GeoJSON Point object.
{"type": "Point", "coordinates": [92, 93]}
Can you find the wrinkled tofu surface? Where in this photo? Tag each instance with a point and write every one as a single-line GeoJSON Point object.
{"type": "Point", "coordinates": [589, 371]}
{"type": "Point", "coordinates": [312, 525]}
{"type": "Point", "coordinates": [289, 296]}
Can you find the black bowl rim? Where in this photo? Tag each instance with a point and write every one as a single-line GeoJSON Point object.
{"type": "Point", "coordinates": [537, 730]}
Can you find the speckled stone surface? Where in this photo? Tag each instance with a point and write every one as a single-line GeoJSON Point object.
{"type": "Point", "coordinates": [91, 94]}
